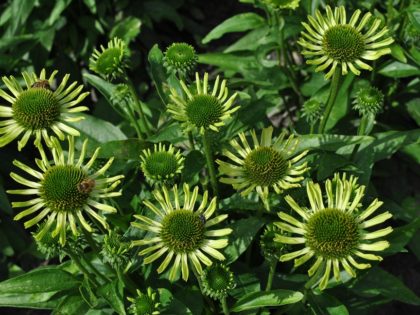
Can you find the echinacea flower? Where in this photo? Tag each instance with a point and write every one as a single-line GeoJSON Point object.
{"type": "Point", "coordinates": [66, 191]}
{"type": "Point", "coordinates": [161, 164]}
{"type": "Point", "coordinates": [312, 110]}
{"type": "Point", "coordinates": [331, 41]}
{"type": "Point", "coordinates": [181, 232]}
{"type": "Point", "coordinates": [180, 58]}
{"type": "Point", "coordinates": [334, 229]}
{"type": "Point", "coordinates": [201, 110]}
{"type": "Point", "coordinates": [368, 100]}
{"type": "Point", "coordinates": [39, 110]}
{"type": "Point", "coordinates": [110, 62]}
{"type": "Point", "coordinates": [267, 165]}
{"type": "Point", "coordinates": [217, 281]}
{"type": "Point", "coordinates": [144, 303]}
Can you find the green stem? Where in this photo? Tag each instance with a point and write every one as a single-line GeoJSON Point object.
{"type": "Point", "coordinates": [139, 107]}
{"type": "Point", "coordinates": [82, 268]}
{"type": "Point", "coordinates": [210, 163]}
{"type": "Point", "coordinates": [134, 122]}
{"type": "Point", "coordinates": [361, 131]}
{"type": "Point", "coordinates": [335, 84]}
{"type": "Point", "coordinates": [96, 271]}
{"type": "Point", "coordinates": [271, 274]}
{"type": "Point", "coordinates": [127, 281]}
{"type": "Point", "coordinates": [224, 306]}
{"type": "Point", "coordinates": [311, 131]}
{"type": "Point", "coordinates": [191, 140]}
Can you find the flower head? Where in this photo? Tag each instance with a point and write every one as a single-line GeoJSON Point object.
{"type": "Point", "coordinates": [180, 58]}
{"type": "Point", "coordinates": [181, 232]}
{"type": "Point", "coordinates": [269, 248]}
{"type": "Point", "coordinates": [282, 4]}
{"type": "Point", "coordinates": [331, 41]}
{"type": "Point", "coordinates": [110, 62]}
{"type": "Point", "coordinates": [115, 250]}
{"type": "Point", "coordinates": [312, 110]}
{"type": "Point", "coordinates": [39, 110]}
{"type": "Point", "coordinates": [333, 229]}
{"type": "Point", "coordinates": [161, 164]}
{"type": "Point", "coordinates": [65, 191]}
{"type": "Point", "coordinates": [268, 165]}
{"type": "Point", "coordinates": [217, 281]}
{"type": "Point", "coordinates": [369, 100]}
{"type": "Point", "coordinates": [200, 109]}
{"type": "Point", "coordinates": [144, 303]}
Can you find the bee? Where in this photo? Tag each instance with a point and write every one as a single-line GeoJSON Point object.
{"type": "Point", "coordinates": [43, 84]}
{"type": "Point", "coordinates": [86, 185]}
{"type": "Point", "coordinates": [202, 218]}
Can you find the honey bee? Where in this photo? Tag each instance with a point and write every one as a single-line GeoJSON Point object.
{"type": "Point", "coordinates": [202, 218]}
{"type": "Point", "coordinates": [86, 185]}
{"type": "Point", "coordinates": [44, 84]}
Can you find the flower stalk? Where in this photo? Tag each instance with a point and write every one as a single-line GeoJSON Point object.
{"type": "Point", "coordinates": [210, 163]}
{"type": "Point", "coordinates": [335, 85]}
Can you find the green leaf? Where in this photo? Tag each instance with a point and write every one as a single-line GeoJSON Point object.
{"type": "Point", "coordinates": [59, 7]}
{"type": "Point", "coordinates": [246, 283]}
{"type": "Point", "coordinates": [272, 298]}
{"type": "Point", "coordinates": [71, 305]}
{"type": "Point", "coordinates": [127, 29]}
{"type": "Point", "coordinates": [104, 87]}
{"type": "Point", "coordinates": [397, 69]}
{"type": "Point", "coordinates": [229, 61]}
{"type": "Point", "coordinates": [113, 294]}
{"type": "Point", "coordinates": [401, 236]}
{"type": "Point", "coordinates": [129, 149]}
{"type": "Point", "coordinates": [378, 281]}
{"type": "Point", "coordinates": [238, 23]}
{"type": "Point", "coordinates": [328, 304]}
{"type": "Point", "coordinates": [328, 142]}
{"type": "Point", "coordinates": [171, 133]}
{"type": "Point", "coordinates": [244, 231]}
{"type": "Point", "coordinates": [41, 280]}
{"type": "Point", "coordinates": [98, 130]}
{"type": "Point", "coordinates": [330, 163]}
{"type": "Point", "coordinates": [157, 70]}
{"type": "Point", "coordinates": [398, 53]}
{"type": "Point", "coordinates": [413, 108]}
{"type": "Point", "coordinates": [193, 164]}
{"type": "Point", "coordinates": [45, 300]}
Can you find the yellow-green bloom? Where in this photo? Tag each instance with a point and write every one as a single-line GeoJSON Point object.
{"type": "Point", "coordinates": [180, 58]}
{"type": "Point", "coordinates": [181, 232]}
{"type": "Point", "coordinates": [161, 164]}
{"type": "Point", "coordinates": [144, 303]}
{"type": "Point", "coordinates": [267, 165]}
{"type": "Point", "coordinates": [110, 61]}
{"type": "Point", "coordinates": [282, 4]}
{"type": "Point", "coordinates": [39, 110]}
{"type": "Point", "coordinates": [200, 109]}
{"type": "Point", "coordinates": [334, 229]}
{"type": "Point", "coordinates": [331, 41]}
{"type": "Point", "coordinates": [65, 190]}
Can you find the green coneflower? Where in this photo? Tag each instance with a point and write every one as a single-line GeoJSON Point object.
{"type": "Point", "coordinates": [200, 109]}
{"type": "Point", "coordinates": [217, 281]}
{"type": "Point", "coordinates": [144, 303]}
{"type": "Point", "coordinates": [110, 62]}
{"type": "Point", "coordinates": [334, 234]}
{"type": "Point", "coordinates": [161, 164]}
{"type": "Point", "coordinates": [312, 111]}
{"type": "Point", "coordinates": [181, 232]}
{"type": "Point", "coordinates": [268, 165]}
{"type": "Point", "coordinates": [115, 250]}
{"type": "Point", "coordinates": [369, 100]}
{"type": "Point", "coordinates": [38, 110]}
{"type": "Point", "coordinates": [180, 58]}
{"type": "Point", "coordinates": [65, 191]}
{"type": "Point", "coordinates": [282, 4]}
{"type": "Point", "coordinates": [329, 41]}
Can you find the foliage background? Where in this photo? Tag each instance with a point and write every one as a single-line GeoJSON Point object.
{"type": "Point", "coordinates": [62, 34]}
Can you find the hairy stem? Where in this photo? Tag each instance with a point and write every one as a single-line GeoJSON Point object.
{"type": "Point", "coordinates": [210, 163]}
{"type": "Point", "coordinates": [271, 274]}
{"type": "Point", "coordinates": [335, 85]}
{"type": "Point", "coordinates": [224, 306]}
